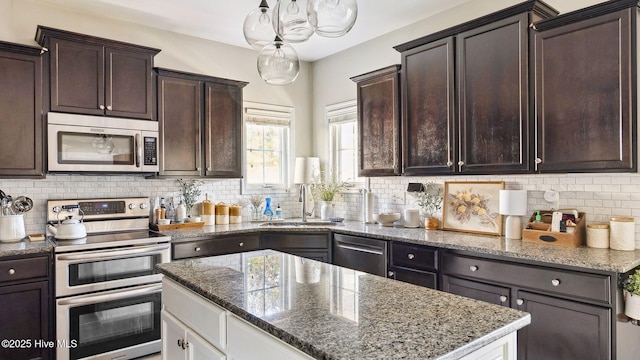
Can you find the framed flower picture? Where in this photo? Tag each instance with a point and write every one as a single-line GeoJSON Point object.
{"type": "Point", "coordinates": [472, 207]}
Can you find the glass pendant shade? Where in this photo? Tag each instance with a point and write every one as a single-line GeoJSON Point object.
{"type": "Point", "coordinates": [290, 21]}
{"type": "Point", "coordinates": [278, 63]}
{"type": "Point", "coordinates": [332, 18]}
{"type": "Point", "coordinates": [258, 28]}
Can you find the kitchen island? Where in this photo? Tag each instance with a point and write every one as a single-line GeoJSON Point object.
{"type": "Point", "coordinates": [324, 311]}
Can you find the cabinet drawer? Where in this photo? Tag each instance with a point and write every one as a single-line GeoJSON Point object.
{"type": "Point", "coordinates": [215, 246]}
{"type": "Point", "coordinates": [198, 313]}
{"type": "Point", "coordinates": [298, 240]}
{"type": "Point", "coordinates": [420, 278]}
{"type": "Point", "coordinates": [551, 281]}
{"type": "Point", "coordinates": [22, 269]}
{"type": "Point", "coordinates": [414, 256]}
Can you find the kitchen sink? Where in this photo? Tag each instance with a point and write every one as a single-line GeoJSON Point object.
{"type": "Point", "coordinates": [298, 223]}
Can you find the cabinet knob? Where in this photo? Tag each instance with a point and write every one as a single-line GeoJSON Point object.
{"type": "Point", "coordinates": [185, 344]}
{"type": "Point", "coordinates": [241, 244]}
{"type": "Point", "coordinates": [473, 268]}
{"type": "Point", "coordinates": [109, 107]}
{"type": "Point", "coordinates": [198, 248]}
{"type": "Point", "coordinates": [411, 256]}
{"type": "Point", "coordinates": [198, 168]}
{"type": "Point", "coordinates": [538, 160]}
{"type": "Point", "coordinates": [101, 107]}
{"type": "Point", "coordinates": [503, 299]}
{"type": "Point", "coordinates": [449, 163]}
{"type": "Point", "coordinates": [390, 273]}
{"type": "Point", "coordinates": [460, 163]}
{"type": "Point", "coordinates": [132, 206]}
{"type": "Point", "coordinates": [12, 271]}
{"type": "Point", "coordinates": [180, 342]}
{"type": "Point", "coordinates": [519, 302]}
{"type": "Point", "coordinates": [209, 168]}
{"type": "Point", "coordinates": [555, 282]}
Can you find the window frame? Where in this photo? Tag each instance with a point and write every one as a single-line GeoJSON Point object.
{"type": "Point", "coordinates": [335, 115]}
{"type": "Point", "coordinates": [270, 115]}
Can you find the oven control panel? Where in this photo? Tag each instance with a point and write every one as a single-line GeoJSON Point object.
{"type": "Point", "coordinates": [98, 209]}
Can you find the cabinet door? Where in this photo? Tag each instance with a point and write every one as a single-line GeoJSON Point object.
{"type": "Point", "coordinates": [421, 278]}
{"type": "Point", "coordinates": [129, 84]}
{"type": "Point", "coordinates": [584, 102]}
{"type": "Point", "coordinates": [199, 349]}
{"type": "Point", "coordinates": [428, 103]}
{"type": "Point", "coordinates": [25, 316]}
{"type": "Point", "coordinates": [21, 148]}
{"type": "Point", "coordinates": [562, 329]}
{"type": "Point", "coordinates": [173, 334]}
{"type": "Point", "coordinates": [379, 122]}
{"type": "Point", "coordinates": [77, 77]}
{"type": "Point", "coordinates": [476, 290]}
{"type": "Point", "coordinates": [179, 116]}
{"type": "Point", "coordinates": [223, 143]}
{"type": "Point", "coordinates": [493, 97]}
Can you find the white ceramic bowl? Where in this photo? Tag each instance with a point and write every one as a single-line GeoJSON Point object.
{"type": "Point", "coordinates": [386, 219]}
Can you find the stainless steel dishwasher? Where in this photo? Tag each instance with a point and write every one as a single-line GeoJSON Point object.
{"type": "Point", "coordinates": [359, 253]}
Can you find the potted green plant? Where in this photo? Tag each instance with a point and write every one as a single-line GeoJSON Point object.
{"type": "Point", "coordinates": [325, 191]}
{"type": "Point", "coordinates": [631, 287]}
{"type": "Point", "coordinates": [430, 201]}
{"type": "Point", "coordinates": [190, 191]}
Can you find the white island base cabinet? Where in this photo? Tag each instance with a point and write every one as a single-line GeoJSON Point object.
{"type": "Point", "coordinates": [504, 348]}
{"type": "Point", "coordinates": [181, 343]}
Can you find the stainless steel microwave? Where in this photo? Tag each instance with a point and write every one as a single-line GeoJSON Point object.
{"type": "Point", "coordinates": [85, 143]}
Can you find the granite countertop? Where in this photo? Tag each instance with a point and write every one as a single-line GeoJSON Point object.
{"type": "Point", "coordinates": [330, 312]}
{"type": "Point", "coordinates": [24, 247]}
{"type": "Point", "coordinates": [583, 257]}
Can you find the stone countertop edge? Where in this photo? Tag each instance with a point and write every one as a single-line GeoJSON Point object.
{"type": "Point", "coordinates": [25, 247]}
{"type": "Point", "coordinates": [582, 258]}
{"type": "Point", "coordinates": [208, 292]}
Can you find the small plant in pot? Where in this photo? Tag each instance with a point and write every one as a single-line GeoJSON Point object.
{"type": "Point", "coordinates": [325, 191]}
{"type": "Point", "coordinates": [631, 287]}
{"type": "Point", "coordinates": [190, 191]}
{"type": "Point", "coordinates": [430, 201]}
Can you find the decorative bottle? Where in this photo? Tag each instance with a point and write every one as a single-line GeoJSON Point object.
{"type": "Point", "coordinates": [267, 209]}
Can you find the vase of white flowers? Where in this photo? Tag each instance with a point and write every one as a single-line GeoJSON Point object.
{"type": "Point", "coordinates": [324, 190]}
{"type": "Point", "coordinates": [430, 201]}
{"type": "Point", "coordinates": [190, 191]}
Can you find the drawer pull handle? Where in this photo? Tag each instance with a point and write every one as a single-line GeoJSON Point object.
{"type": "Point", "coordinates": [391, 274]}
{"type": "Point", "coordinates": [12, 271]}
{"type": "Point", "coordinates": [411, 256]}
{"type": "Point", "coordinates": [473, 268]}
{"type": "Point", "coordinates": [519, 302]}
{"type": "Point", "coordinates": [503, 299]}
{"type": "Point", "coordinates": [555, 282]}
{"type": "Point", "coordinates": [198, 249]}
{"type": "Point", "coordinates": [241, 244]}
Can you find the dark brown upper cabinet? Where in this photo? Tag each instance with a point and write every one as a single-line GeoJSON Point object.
{"type": "Point", "coordinates": [586, 108]}
{"type": "Point", "coordinates": [200, 119]}
{"type": "Point", "coordinates": [21, 124]}
{"type": "Point", "coordinates": [95, 76]}
{"type": "Point", "coordinates": [379, 122]}
{"type": "Point", "coordinates": [466, 94]}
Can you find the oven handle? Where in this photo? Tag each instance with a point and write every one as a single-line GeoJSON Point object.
{"type": "Point", "coordinates": [104, 255]}
{"type": "Point", "coordinates": [146, 289]}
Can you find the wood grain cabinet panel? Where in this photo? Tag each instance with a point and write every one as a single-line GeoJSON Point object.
{"type": "Point", "coordinates": [585, 91]}
{"type": "Point", "coordinates": [200, 125]}
{"type": "Point", "coordinates": [21, 150]}
{"type": "Point", "coordinates": [379, 122]}
{"type": "Point", "coordinates": [95, 76]}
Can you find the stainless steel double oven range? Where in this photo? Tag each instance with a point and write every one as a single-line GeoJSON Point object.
{"type": "Point", "coordinates": [108, 294]}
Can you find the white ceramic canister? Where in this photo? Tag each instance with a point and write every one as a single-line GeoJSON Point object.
{"type": "Point", "coordinates": [222, 214]}
{"type": "Point", "coordinates": [12, 228]}
{"type": "Point", "coordinates": [598, 236]}
{"type": "Point", "coordinates": [411, 218]}
{"type": "Point", "coordinates": [622, 233]}
{"type": "Point", "coordinates": [235, 214]}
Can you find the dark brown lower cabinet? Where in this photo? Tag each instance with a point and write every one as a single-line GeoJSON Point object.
{"type": "Point", "coordinates": [420, 278]}
{"type": "Point", "coordinates": [415, 264]}
{"type": "Point", "coordinates": [498, 295]}
{"type": "Point", "coordinates": [563, 329]}
{"type": "Point", "coordinates": [311, 245]}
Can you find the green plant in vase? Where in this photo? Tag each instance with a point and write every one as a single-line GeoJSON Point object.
{"type": "Point", "coordinates": [430, 201]}
{"type": "Point", "coordinates": [190, 191]}
{"type": "Point", "coordinates": [631, 285]}
{"type": "Point", "coordinates": [325, 190]}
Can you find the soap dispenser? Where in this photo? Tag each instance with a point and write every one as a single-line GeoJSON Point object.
{"type": "Point", "coordinates": [267, 209]}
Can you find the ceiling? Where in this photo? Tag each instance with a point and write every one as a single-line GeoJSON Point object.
{"type": "Point", "coordinates": [222, 20]}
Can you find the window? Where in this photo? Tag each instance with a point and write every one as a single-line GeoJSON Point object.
{"type": "Point", "coordinates": [267, 129]}
{"type": "Point", "coordinates": [343, 130]}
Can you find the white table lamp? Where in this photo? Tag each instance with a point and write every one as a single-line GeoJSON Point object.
{"type": "Point", "coordinates": [513, 203]}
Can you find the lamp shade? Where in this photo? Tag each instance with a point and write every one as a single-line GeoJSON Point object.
{"type": "Point", "coordinates": [306, 169]}
{"type": "Point", "coordinates": [278, 63]}
{"type": "Point", "coordinates": [290, 21]}
{"type": "Point", "coordinates": [258, 30]}
{"type": "Point", "coordinates": [332, 18]}
{"type": "Point", "coordinates": [513, 202]}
